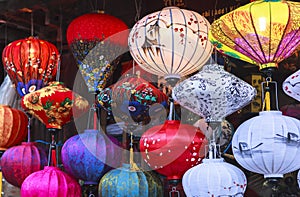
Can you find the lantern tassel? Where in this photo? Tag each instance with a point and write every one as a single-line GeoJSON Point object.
{"type": "Point", "coordinates": [133, 166]}
{"type": "Point", "coordinates": [267, 101]}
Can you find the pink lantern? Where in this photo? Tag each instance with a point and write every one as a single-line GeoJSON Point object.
{"type": "Point", "coordinates": [20, 161]}
{"type": "Point", "coordinates": [50, 182]}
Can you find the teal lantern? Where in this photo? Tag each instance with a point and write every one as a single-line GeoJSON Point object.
{"type": "Point", "coordinates": [130, 181]}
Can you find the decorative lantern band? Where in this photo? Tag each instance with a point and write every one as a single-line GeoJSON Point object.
{"type": "Point", "coordinates": [268, 65]}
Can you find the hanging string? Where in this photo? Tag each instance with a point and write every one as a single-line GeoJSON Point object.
{"type": "Point", "coordinates": [138, 9]}
{"type": "Point", "coordinates": [60, 36]}
{"type": "Point", "coordinates": [31, 19]}
{"type": "Point", "coordinates": [28, 128]}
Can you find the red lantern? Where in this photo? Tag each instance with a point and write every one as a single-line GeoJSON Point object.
{"type": "Point", "coordinates": [13, 126]}
{"type": "Point", "coordinates": [20, 161]}
{"type": "Point", "coordinates": [50, 182]}
{"type": "Point", "coordinates": [31, 63]}
{"type": "Point", "coordinates": [97, 40]}
{"type": "Point", "coordinates": [55, 105]}
{"type": "Point", "coordinates": [172, 148]}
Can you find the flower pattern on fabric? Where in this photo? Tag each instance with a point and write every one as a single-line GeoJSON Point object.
{"type": "Point", "coordinates": [55, 105]}
{"type": "Point", "coordinates": [213, 93]}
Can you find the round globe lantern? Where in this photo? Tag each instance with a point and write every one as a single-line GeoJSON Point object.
{"type": "Point", "coordinates": [172, 148]}
{"type": "Point", "coordinates": [89, 155]}
{"type": "Point", "coordinates": [13, 126]}
{"type": "Point", "coordinates": [268, 144]}
{"type": "Point", "coordinates": [257, 33]}
{"type": "Point", "coordinates": [50, 182]}
{"type": "Point", "coordinates": [171, 43]}
{"type": "Point", "coordinates": [125, 181]}
{"type": "Point", "coordinates": [214, 177]}
{"type": "Point", "coordinates": [18, 162]}
{"type": "Point", "coordinates": [31, 63]}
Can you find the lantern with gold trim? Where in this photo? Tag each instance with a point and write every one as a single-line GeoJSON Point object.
{"type": "Point", "coordinates": [31, 63]}
{"type": "Point", "coordinates": [262, 32]}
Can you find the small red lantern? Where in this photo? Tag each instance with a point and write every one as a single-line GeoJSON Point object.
{"type": "Point", "coordinates": [20, 161]}
{"type": "Point", "coordinates": [55, 105]}
{"type": "Point", "coordinates": [30, 63]}
{"type": "Point", "coordinates": [13, 126]}
{"type": "Point", "coordinates": [172, 148]}
{"type": "Point", "coordinates": [50, 182]}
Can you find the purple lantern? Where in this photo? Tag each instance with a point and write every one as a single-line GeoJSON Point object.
{"type": "Point", "coordinates": [50, 182]}
{"type": "Point", "coordinates": [20, 161]}
{"type": "Point", "coordinates": [88, 156]}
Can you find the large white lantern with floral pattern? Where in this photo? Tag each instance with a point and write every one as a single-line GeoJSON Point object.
{"type": "Point", "coordinates": [171, 43]}
{"type": "Point", "coordinates": [214, 177]}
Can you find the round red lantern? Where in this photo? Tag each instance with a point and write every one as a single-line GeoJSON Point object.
{"type": "Point", "coordinates": [50, 182]}
{"type": "Point", "coordinates": [172, 148]}
{"type": "Point", "coordinates": [97, 40]}
{"type": "Point", "coordinates": [13, 126]}
{"type": "Point", "coordinates": [18, 162]}
{"type": "Point", "coordinates": [30, 63]}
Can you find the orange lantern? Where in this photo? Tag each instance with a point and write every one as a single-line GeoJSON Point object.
{"type": "Point", "coordinates": [13, 126]}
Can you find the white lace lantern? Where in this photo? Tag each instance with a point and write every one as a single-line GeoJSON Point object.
{"type": "Point", "coordinates": [171, 42]}
{"type": "Point", "coordinates": [213, 93]}
{"type": "Point", "coordinates": [268, 144]}
{"type": "Point", "coordinates": [214, 177]}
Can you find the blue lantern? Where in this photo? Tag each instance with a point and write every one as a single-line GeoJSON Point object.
{"type": "Point", "coordinates": [128, 181]}
{"type": "Point", "coordinates": [88, 156]}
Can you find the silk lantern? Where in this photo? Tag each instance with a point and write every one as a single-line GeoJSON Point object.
{"type": "Point", "coordinates": [291, 85]}
{"type": "Point", "coordinates": [31, 63]}
{"type": "Point", "coordinates": [135, 96]}
{"type": "Point", "coordinates": [89, 155]}
{"type": "Point", "coordinates": [13, 126]}
{"type": "Point", "coordinates": [126, 181]}
{"type": "Point", "coordinates": [172, 148]}
{"type": "Point", "coordinates": [268, 144]}
{"type": "Point", "coordinates": [54, 105]}
{"type": "Point", "coordinates": [50, 182]}
{"type": "Point", "coordinates": [262, 32]}
{"type": "Point", "coordinates": [214, 177]}
{"type": "Point", "coordinates": [171, 43]}
{"type": "Point", "coordinates": [18, 162]}
{"type": "Point", "coordinates": [97, 40]}
{"type": "Point", "coordinates": [213, 93]}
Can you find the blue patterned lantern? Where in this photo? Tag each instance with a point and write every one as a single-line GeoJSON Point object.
{"type": "Point", "coordinates": [88, 156]}
{"type": "Point", "coordinates": [130, 181]}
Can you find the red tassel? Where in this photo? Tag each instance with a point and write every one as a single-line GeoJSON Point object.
{"type": "Point", "coordinates": [53, 157]}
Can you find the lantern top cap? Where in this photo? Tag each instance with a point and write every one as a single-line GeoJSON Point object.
{"type": "Point", "coordinates": [216, 160]}
{"type": "Point", "coordinates": [271, 112]}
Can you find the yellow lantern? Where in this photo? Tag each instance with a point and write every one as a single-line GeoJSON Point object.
{"type": "Point", "coordinates": [263, 32]}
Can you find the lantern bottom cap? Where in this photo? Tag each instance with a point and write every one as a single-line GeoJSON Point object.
{"type": "Point", "coordinates": [274, 176]}
{"type": "Point", "coordinates": [268, 65]}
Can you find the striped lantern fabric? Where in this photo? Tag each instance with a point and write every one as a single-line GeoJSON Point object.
{"type": "Point", "coordinates": [50, 182]}
{"type": "Point", "coordinates": [171, 43]}
{"type": "Point", "coordinates": [18, 162]}
{"type": "Point", "coordinates": [214, 177]}
{"type": "Point", "coordinates": [31, 63]}
{"type": "Point", "coordinates": [268, 144]}
{"type": "Point", "coordinates": [13, 126]}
